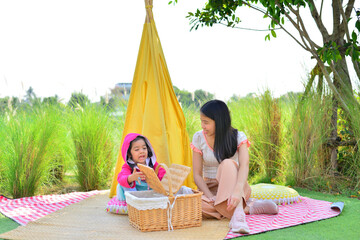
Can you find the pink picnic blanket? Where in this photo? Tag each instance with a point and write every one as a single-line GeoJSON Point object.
{"type": "Point", "coordinates": [308, 210]}
{"type": "Point", "coordinates": [24, 210]}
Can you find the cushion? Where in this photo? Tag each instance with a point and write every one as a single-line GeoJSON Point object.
{"type": "Point", "coordinates": [277, 193]}
{"type": "Point", "coordinates": [117, 206]}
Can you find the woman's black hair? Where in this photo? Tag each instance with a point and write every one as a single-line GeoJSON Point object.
{"type": "Point", "coordinates": [150, 154]}
{"type": "Point", "coordinates": [225, 144]}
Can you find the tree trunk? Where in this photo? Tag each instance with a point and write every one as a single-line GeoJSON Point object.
{"type": "Point", "coordinates": [333, 135]}
{"type": "Point", "coordinates": [344, 82]}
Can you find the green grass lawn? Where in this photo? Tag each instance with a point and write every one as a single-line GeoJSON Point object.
{"type": "Point", "coordinates": [345, 226]}
{"type": "Point", "coordinates": [7, 224]}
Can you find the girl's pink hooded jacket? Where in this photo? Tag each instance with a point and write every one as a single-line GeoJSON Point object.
{"type": "Point", "coordinates": [126, 169]}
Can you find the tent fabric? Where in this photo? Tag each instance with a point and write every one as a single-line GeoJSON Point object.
{"type": "Point", "coordinates": [153, 109]}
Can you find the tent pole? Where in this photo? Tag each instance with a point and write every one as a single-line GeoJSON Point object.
{"type": "Point", "coordinates": [149, 14]}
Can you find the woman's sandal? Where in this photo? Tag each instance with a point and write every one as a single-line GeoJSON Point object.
{"type": "Point", "coordinates": [238, 223]}
{"type": "Point", "coordinates": [264, 207]}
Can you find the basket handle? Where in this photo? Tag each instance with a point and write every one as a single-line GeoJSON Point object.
{"type": "Point", "coordinates": [168, 177]}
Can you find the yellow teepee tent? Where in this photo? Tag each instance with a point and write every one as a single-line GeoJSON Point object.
{"type": "Point", "coordinates": [153, 109]}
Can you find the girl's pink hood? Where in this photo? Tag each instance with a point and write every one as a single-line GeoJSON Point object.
{"type": "Point", "coordinates": [125, 146]}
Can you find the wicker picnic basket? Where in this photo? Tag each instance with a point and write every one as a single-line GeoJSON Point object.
{"type": "Point", "coordinates": [161, 209]}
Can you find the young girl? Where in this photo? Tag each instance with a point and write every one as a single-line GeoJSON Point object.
{"type": "Point", "coordinates": [136, 149]}
{"type": "Point", "coordinates": [221, 167]}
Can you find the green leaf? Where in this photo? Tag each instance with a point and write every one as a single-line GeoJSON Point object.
{"type": "Point", "coordinates": [354, 36]}
{"type": "Point", "coordinates": [272, 24]}
{"type": "Point", "coordinates": [311, 7]}
{"type": "Point", "coordinates": [272, 4]}
{"type": "Point", "coordinates": [357, 25]}
{"type": "Point", "coordinates": [273, 33]}
{"type": "Point", "coordinates": [347, 52]}
{"type": "Point", "coordinates": [355, 53]}
{"type": "Point", "coordinates": [267, 37]}
{"type": "Point", "coordinates": [337, 57]}
{"type": "Point", "coordinates": [170, 2]}
{"type": "Point", "coordinates": [282, 21]}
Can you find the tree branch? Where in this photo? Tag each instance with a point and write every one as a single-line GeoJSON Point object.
{"type": "Point", "coordinates": [347, 33]}
{"type": "Point", "coordinates": [302, 36]}
{"type": "Point", "coordinates": [321, 7]}
{"type": "Point", "coordinates": [297, 13]}
{"type": "Point", "coordinates": [349, 8]}
{"type": "Point", "coordinates": [305, 46]}
{"type": "Point", "coordinates": [331, 84]}
{"type": "Point", "coordinates": [336, 17]}
{"type": "Point", "coordinates": [250, 29]}
{"type": "Point", "coordinates": [319, 23]}
{"type": "Point", "coordinates": [281, 26]}
{"type": "Point", "coordinates": [347, 91]}
{"type": "Point", "coordinates": [344, 21]}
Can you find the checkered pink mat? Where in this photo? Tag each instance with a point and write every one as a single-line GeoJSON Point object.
{"type": "Point", "coordinates": [308, 210]}
{"type": "Point", "coordinates": [24, 210]}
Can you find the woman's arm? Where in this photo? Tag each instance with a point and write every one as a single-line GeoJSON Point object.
{"type": "Point", "coordinates": [243, 173]}
{"type": "Point", "coordinates": [197, 173]}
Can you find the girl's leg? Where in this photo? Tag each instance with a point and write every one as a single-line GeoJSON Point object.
{"type": "Point", "coordinates": [263, 207]}
{"type": "Point", "coordinates": [238, 221]}
{"type": "Point", "coordinates": [120, 192]}
{"type": "Point", "coordinates": [118, 204]}
{"type": "Point", "coordinates": [227, 177]}
{"type": "Point", "coordinates": [208, 208]}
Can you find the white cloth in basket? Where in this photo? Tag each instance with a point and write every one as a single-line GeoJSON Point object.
{"type": "Point", "coordinates": [145, 200]}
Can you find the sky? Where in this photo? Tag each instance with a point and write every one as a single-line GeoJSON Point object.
{"type": "Point", "coordinates": [60, 47]}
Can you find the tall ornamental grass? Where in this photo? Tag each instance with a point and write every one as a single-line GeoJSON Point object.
{"type": "Point", "coordinates": [309, 131]}
{"type": "Point", "coordinates": [350, 168]}
{"type": "Point", "coordinates": [30, 140]}
{"type": "Point", "coordinates": [92, 134]}
{"type": "Point", "coordinates": [272, 135]}
{"type": "Point", "coordinates": [2, 163]}
{"type": "Point", "coordinates": [192, 118]}
{"type": "Point", "coordinates": [245, 117]}
{"type": "Point", "coordinates": [62, 159]}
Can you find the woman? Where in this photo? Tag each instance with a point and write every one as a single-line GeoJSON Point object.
{"type": "Point", "coordinates": [221, 167]}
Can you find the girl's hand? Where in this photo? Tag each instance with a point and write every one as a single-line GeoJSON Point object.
{"type": "Point", "coordinates": [136, 176]}
{"type": "Point", "coordinates": [213, 198]}
{"type": "Point", "coordinates": [234, 200]}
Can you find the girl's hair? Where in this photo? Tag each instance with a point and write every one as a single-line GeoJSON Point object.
{"type": "Point", "coordinates": [150, 154]}
{"type": "Point", "coordinates": [225, 144]}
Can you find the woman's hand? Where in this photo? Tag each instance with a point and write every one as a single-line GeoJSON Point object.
{"type": "Point", "coordinates": [213, 198]}
{"type": "Point", "coordinates": [234, 200]}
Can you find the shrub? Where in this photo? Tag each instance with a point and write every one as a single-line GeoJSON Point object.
{"type": "Point", "coordinates": [309, 133]}
{"type": "Point", "coordinates": [92, 134]}
{"type": "Point", "coordinates": [30, 141]}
